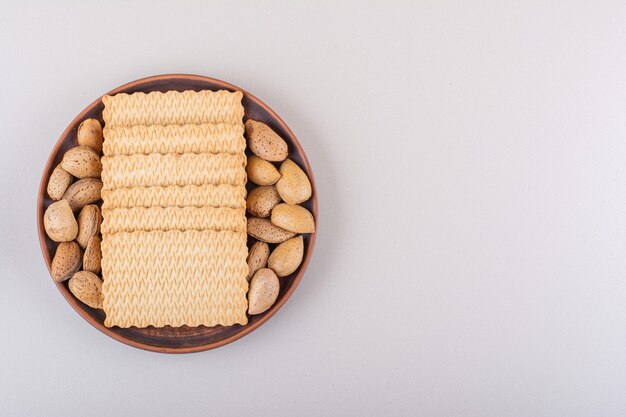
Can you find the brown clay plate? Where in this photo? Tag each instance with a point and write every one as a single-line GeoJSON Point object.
{"type": "Point", "coordinates": [182, 339]}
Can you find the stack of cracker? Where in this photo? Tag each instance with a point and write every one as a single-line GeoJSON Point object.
{"type": "Point", "coordinates": [174, 226]}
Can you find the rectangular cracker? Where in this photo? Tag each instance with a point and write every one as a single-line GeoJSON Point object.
{"type": "Point", "coordinates": [175, 278]}
{"type": "Point", "coordinates": [205, 138]}
{"type": "Point", "coordinates": [209, 195]}
{"type": "Point", "coordinates": [172, 169]}
{"type": "Point", "coordinates": [173, 218]}
{"type": "Point", "coordinates": [173, 236]}
{"type": "Point", "coordinates": [173, 107]}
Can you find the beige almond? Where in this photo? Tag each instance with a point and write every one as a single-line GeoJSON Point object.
{"type": "Point", "coordinates": [83, 192]}
{"type": "Point", "coordinates": [257, 257]}
{"type": "Point", "coordinates": [89, 220]}
{"type": "Point", "coordinates": [264, 142]}
{"type": "Point", "coordinates": [262, 200]}
{"type": "Point", "coordinates": [87, 287]}
{"type": "Point", "coordinates": [82, 162]}
{"type": "Point", "coordinates": [263, 291]}
{"type": "Point", "coordinates": [287, 256]}
{"type": "Point", "coordinates": [261, 172]}
{"type": "Point", "coordinates": [59, 180]}
{"type": "Point", "coordinates": [92, 260]}
{"type": "Point", "coordinates": [67, 260]}
{"type": "Point", "coordinates": [293, 218]}
{"type": "Point", "coordinates": [59, 222]}
{"type": "Point", "coordinates": [265, 231]}
{"type": "Point", "coordinates": [293, 186]}
{"type": "Point", "coordinates": [90, 134]}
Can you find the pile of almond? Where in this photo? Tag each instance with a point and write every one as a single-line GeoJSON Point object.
{"type": "Point", "coordinates": [276, 218]}
{"type": "Point", "coordinates": [74, 220]}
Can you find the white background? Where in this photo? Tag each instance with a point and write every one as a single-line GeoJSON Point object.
{"type": "Point", "coordinates": [471, 164]}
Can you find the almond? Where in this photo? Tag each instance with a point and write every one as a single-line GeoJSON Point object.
{"type": "Point", "coordinates": [90, 134]}
{"type": "Point", "coordinates": [264, 142]}
{"type": "Point", "coordinates": [262, 200]}
{"type": "Point", "coordinates": [89, 220]}
{"type": "Point", "coordinates": [87, 287]}
{"type": "Point", "coordinates": [66, 261]}
{"type": "Point", "coordinates": [265, 231]}
{"type": "Point", "coordinates": [257, 257]}
{"type": "Point", "coordinates": [83, 192]}
{"type": "Point", "coordinates": [59, 222]}
{"type": "Point", "coordinates": [92, 260]}
{"type": "Point", "coordinates": [261, 172]}
{"type": "Point", "coordinates": [287, 257]}
{"type": "Point", "coordinates": [293, 218]}
{"type": "Point", "coordinates": [59, 180]}
{"type": "Point", "coordinates": [293, 186]}
{"type": "Point", "coordinates": [82, 162]}
{"type": "Point", "coordinates": [263, 291]}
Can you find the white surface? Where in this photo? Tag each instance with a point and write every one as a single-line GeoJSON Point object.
{"type": "Point", "coordinates": [471, 165]}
